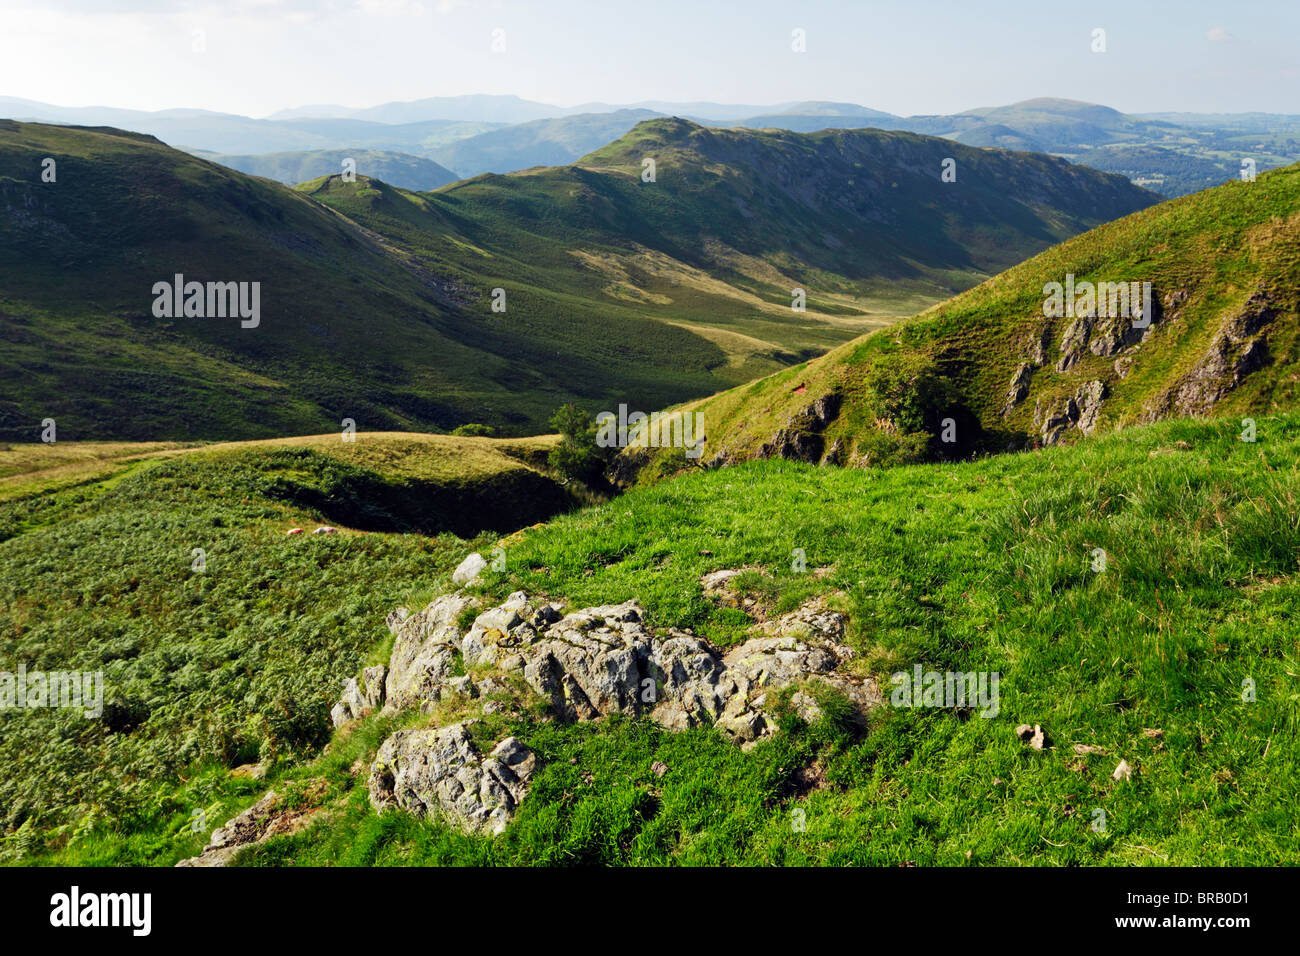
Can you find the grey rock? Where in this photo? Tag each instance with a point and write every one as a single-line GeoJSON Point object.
{"type": "Point", "coordinates": [469, 569]}
{"type": "Point", "coordinates": [360, 697]}
{"type": "Point", "coordinates": [262, 820]}
{"type": "Point", "coordinates": [1079, 410]}
{"type": "Point", "coordinates": [1036, 347]}
{"type": "Point", "coordinates": [425, 652]}
{"type": "Point", "coordinates": [1088, 399]}
{"type": "Point", "coordinates": [440, 770]}
{"type": "Point", "coordinates": [1019, 388]}
{"type": "Point", "coordinates": [1239, 347]}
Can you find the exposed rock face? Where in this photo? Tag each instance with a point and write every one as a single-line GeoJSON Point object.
{"type": "Point", "coordinates": [792, 445]}
{"type": "Point", "coordinates": [1238, 348]}
{"type": "Point", "coordinates": [801, 439]}
{"type": "Point", "coordinates": [1088, 400]}
{"type": "Point", "coordinates": [1019, 388]}
{"type": "Point", "coordinates": [360, 697]}
{"type": "Point", "coordinates": [440, 769]}
{"type": "Point", "coordinates": [604, 660]}
{"type": "Point", "coordinates": [1114, 335]}
{"type": "Point", "coordinates": [424, 652]}
{"type": "Point", "coordinates": [1073, 341]}
{"type": "Point", "coordinates": [836, 454]}
{"type": "Point", "coordinates": [1080, 410]}
{"type": "Point", "coordinates": [1036, 347]}
{"type": "Point", "coordinates": [260, 822]}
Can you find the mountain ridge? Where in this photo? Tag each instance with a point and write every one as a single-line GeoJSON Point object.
{"type": "Point", "coordinates": [383, 314]}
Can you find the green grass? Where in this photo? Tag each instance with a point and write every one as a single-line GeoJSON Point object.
{"type": "Point", "coordinates": [1217, 248]}
{"type": "Point", "coordinates": [383, 314]}
{"type": "Point", "coordinates": [239, 662]}
{"type": "Point", "coordinates": [982, 565]}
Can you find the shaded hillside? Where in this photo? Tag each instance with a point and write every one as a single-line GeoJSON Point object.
{"type": "Point", "coordinates": [616, 290]}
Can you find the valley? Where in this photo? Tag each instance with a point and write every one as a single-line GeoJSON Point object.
{"type": "Point", "coordinates": [376, 302]}
{"type": "Point", "coordinates": [611, 488]}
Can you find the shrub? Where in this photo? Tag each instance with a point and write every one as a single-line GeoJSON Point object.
{"type": "Point", "coordinates": [577, 456]}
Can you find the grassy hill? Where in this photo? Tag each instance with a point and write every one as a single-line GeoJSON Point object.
{"type": "Point", "coordinates": [400, 169]}
{"type": "Point", "coordinates": [1223, 265]}
{"type": "Point", "coordinates": [735, 220]}
{"type": "Point", "coordinates": [985, 565]}
{"type": "Point", "coordinates": [239, 657]}
{"type": "Point", "coordinates": [541, 142]}
{"type": "Point", "coordinates": [384, 314]}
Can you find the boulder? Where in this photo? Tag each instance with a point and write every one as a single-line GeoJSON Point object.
{"type": "Point", "coordinates": [441, 770]}
{"type": "Point", "coordinates": [588, 664]}
{"type": "Point", "coordinates": [469, 569]}
{"type": "Point", "coordinates": [425, 651]}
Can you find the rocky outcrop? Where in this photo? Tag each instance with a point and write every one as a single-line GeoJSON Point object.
{"type": "Point", "coordinates": [1019, 388]}
{"type": "Point", "coordinates": [440, 769]}
{"type": "Point", "coordinates": [1080, 410]}
{"type": "Point", "coordinates": [587, 664]}
{"type": "Point", "coordinates": [1239, 347]}
{"type": "Point", "coordinates": [836, 454]}
{"type": "Point", "coordinates": [1073, 341]}
{"type": "Point", "coordinates": [1036, 347]}
{"type": "Point", "coordinates": [800, 439]}
{"type": "Point", "coordinates": [425, 652]}
{"type": "Point", "coordinates": [263, 820]}
{"type": "Point", "coordinates": [1114, 335]}
{"type": "Point", "coordinates": [1088, 400]}
{"type": "Point", "coordinates": [360, 696]}
{"type": "Point", "coordinates": [792, 445]}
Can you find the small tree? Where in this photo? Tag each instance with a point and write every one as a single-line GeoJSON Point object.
{"type": "Point", "coordinates": [475, 430]}
{"type": "Point", "coordinates": [576, 456]}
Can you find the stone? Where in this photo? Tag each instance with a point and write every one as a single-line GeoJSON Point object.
{"type": "Point", "coordinates": [1080, 410]}
{"type": "Point", "coordinates": [424, 652]}
{"type": "Point", "coordinates": [469, 569]}
{"type": "Point", "coordinates": [1088, 399]}
{"type": "Point", "coordinates": [263, 820]}
{"type": "Point", "coordinates": [440, 770]}
{"type": "Point", "coordinates": [588, 664]}
{"type": "Point", "coordinates": [1239, 347]}
{"type": "Point", "coordinates": [360, 697]}
{"type": "Point", "coordinates": [1019, 388]}
{"type": "Point", "coordinates": [1034, 736]}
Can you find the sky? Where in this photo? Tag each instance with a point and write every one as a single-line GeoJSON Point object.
{"type": "Point", "coordinates": [917, 56]}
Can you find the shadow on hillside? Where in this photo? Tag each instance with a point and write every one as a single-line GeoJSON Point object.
{"type": "Point", "coordinates": [365, 500]}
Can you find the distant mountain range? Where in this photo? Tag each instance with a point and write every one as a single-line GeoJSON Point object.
{"type": "Point", "coordinates": [1171, 153]}
{"type": "Point", "coordinates": [377, 303]}
{"type": "Point", "coordinates": [291, 168]}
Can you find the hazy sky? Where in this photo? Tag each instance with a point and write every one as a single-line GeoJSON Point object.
{"type": "Point", "coordinates": [922, 56]}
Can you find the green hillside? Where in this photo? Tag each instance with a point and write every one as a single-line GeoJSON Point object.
{"type": "Point", "coordinates": [400, 169]}
{"type": "Point", "coordinates": [235, 658]}
{"type": "Point", "coordinates": [1224, 268]}
{"type": "Point", "coordinates": [541, 142]}
{"type": "Point", "coordinates": [986, 565]}
{"type": "Point", "coordinates": [386, 317]}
